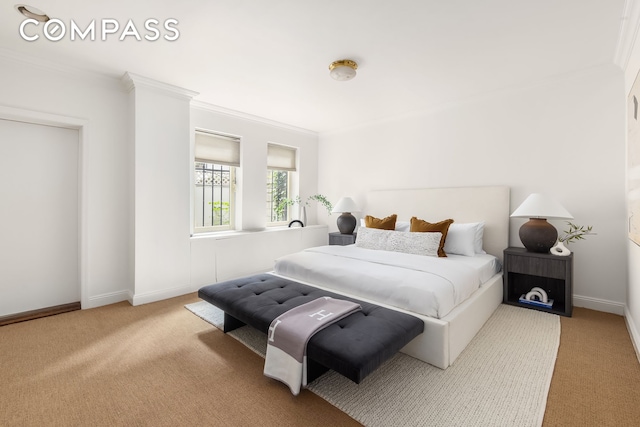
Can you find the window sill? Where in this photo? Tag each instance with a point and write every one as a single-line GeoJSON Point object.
{"type": "Point", "coordinates": [231, 234]}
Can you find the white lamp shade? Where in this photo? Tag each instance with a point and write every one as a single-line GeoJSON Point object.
{"type": "Point", "coordinates": [346, 204]}
{"type": "Point", "coordinates": [539, 206]}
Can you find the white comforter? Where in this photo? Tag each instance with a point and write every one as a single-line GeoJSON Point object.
{"type": "Point", "coordinates": [425, 285]}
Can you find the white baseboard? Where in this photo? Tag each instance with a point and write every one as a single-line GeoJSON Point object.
{"type": "Point", "coordinates": [599, 304]}
{"type": "Point", "coordinates": [106, 299]}
{"type": "Point", "coordinates": [633, 332]}
{"type": "Point", "coordinates": [153, 296]}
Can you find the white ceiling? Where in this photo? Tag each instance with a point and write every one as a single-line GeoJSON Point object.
{"type": "Point", "coordinates": [270, 58]}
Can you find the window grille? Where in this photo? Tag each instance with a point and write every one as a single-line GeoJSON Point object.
{"type": "Point", "coordinates": [213, 195]}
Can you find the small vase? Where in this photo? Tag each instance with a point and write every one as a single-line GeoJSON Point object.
{"type": "Point", "coordinates": [303, 215]}
{"type": "Point", "coordinates": [560, 249]}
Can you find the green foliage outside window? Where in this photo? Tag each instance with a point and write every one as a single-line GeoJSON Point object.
{"type": "Point", "coordinates": [279, 193]}
{"type": "Point", "coordinates": [220, 213]}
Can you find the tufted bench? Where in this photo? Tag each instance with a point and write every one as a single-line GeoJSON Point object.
{"type": "Point", "coordinates": [354, 346]}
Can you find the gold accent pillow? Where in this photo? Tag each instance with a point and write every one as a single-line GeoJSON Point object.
{"type": "Point", "coordinates": [423, 226]}
{"type": "Point", "coordinates": [388, 223]}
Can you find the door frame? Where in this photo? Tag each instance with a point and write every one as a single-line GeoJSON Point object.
{"type": "Point", "coordinates": [82, 126]}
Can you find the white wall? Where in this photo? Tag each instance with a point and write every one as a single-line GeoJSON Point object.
{"type": "Point", "coordinates": [122, 145]}
{"type": "Point", "coordinates": [222, 257]}
{"type": "Point", "coordinates": [633, 295]}
{"type": "Point", "coordinates": [563, 137]}
{"type": "Point", "coordinates": [632, 70]}
{"type": "Point", "coordinates": [101, 105]}
{"type": "Point", "coordinates": [161, 137]}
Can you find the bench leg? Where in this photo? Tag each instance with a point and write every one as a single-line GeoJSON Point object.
{"type": "Point", "coordinates": [231, 323]}
{"type": "Point", "coordinates": [314, 370]}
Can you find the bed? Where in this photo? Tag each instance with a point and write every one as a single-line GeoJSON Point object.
{"type": "Point", "coordinates": [452, 317]}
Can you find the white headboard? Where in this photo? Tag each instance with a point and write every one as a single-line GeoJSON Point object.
{"type": "Point", "coordinates": [463, 204]}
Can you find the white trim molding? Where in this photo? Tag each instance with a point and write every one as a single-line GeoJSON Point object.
{"type": "Point", "coordinates": [598, 304]}
{"type": "Point", "coordinates": [132, 80]}
{"type": "Point", "coordinates": [629, 26]}
{"type": "Point", "coordinates": [200, 105]}
{"type": "Point", "coordinates": [633, 332]}
{"type": "Point", "coordinates": [107, 299]}
{"type": "Point", "coordinates": [153, 296]}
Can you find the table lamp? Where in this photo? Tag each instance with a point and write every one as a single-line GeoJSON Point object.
{"type": "Point", "coordinates": [346, 222]}
{"type": "Point", "coordinates": [537, 235]}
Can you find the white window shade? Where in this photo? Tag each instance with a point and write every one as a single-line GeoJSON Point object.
{"type": "Point", "coordinates": [219, 149]}
{"type": "Point", "coordinates": [280, 157]}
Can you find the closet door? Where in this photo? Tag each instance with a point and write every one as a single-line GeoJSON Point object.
{"type": "Point", "coordinates": [39, 218]}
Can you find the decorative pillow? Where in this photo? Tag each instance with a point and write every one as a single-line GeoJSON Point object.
{"type": "Point", "coordinates": [464, 239]}
{"type": "Point", "coordinates": [479, 241]}
{"type": "Point", "coordinates": [389, 240]}
{"type": "Point", "coordinates": [388, 223]}
{"type": "Point", "coordinates": [400, 225]}
{"type": "Point", "coordinates": [428, 227]}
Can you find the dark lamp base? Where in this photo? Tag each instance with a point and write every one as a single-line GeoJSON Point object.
{"type": "Point", "coordinates": [346, 223]}
{"type": "Point", "coordinates": [537, 235]}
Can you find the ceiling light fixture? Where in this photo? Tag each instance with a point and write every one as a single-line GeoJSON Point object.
{"type": "Point", "coordinates": [32, 12]}
{"type": "Point", "coordinates": [342, 70]}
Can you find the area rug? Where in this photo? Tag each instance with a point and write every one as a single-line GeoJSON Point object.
{"type": "Point", "coordinates": [501, 379]}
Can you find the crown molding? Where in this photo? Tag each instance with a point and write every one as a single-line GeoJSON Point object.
{"type": "Point", "coordinates": [628, 33]}
{"type": "Point", "coordinates": [132, 80]}
{"type": "Point", "coordinates": [200, 105]}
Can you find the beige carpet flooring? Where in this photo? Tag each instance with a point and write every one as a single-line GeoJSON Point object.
{"type": "Point", "coordinates": [150, 365]}
{"type": "Point", "coordinates": [159, 365]}
{"type": "Point", "coordinates": [596, 380]}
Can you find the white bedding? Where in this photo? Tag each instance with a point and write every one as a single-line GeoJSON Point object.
{"type": "Point", "coordinates": [430, 286]}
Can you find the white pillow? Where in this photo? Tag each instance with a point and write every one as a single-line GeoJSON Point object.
{"type": "Point", "coordinates": [400, 225]}
{"type": "Point", "coordinates": [465, 239]}
{"type": "Point", "coordinates": [390, 240]}
{"type": "Point", "coordinates": [403, 225]}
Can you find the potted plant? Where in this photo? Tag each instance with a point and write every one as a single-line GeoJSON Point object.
{"type": "Point", "coordinates": [303, 205]}
{"type": "Point", "coordinates": [575, 232]}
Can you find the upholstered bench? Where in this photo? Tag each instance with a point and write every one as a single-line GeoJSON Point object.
{"type": "Point", "coordinates": [354, 346]}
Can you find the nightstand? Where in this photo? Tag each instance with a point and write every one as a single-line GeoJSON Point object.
{"type": "Point", "coordinates": [338, 238]}
{"type": "Point", "coordinates": [524, 270]}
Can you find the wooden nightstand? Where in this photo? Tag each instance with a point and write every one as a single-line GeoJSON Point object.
{"type": "Point", "coordinates": [524, 270]}
{"type": "Point", "coordinates": [338, 238]}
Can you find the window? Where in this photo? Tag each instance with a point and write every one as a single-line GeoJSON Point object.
{"type": "Point", "coordinates": [281, 161]}
{"type": "Point", "coordinates": [216, 159]}
{"type": "Point", "coordinates": [277, 192]}
{"type": "Point", "coordinates": [213, 196]}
